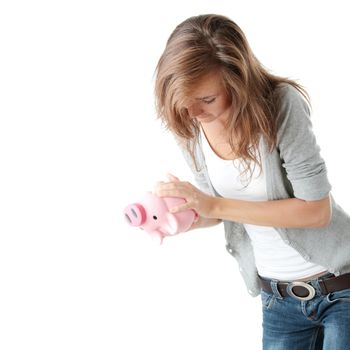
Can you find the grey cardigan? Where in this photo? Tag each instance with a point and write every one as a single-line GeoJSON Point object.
{"type": "Point", "coordinates": [295, 169]}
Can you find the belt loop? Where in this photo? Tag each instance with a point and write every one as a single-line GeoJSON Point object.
{"type": "Point", "coordinates": [321, 285]}
{"type": "Point", "coordinates": [273, 284]}
{"type": "Point", "coordinates": [317, 286]}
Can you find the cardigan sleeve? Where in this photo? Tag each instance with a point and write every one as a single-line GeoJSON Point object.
{"type": "Point", "coordinates": [298, 148]}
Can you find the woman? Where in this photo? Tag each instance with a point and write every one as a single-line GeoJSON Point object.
{"type": "Point", "coordinates": [231, 117]}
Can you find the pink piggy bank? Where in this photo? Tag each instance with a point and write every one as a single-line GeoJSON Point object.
{"type": "Point", "coordinates": [152, 214]}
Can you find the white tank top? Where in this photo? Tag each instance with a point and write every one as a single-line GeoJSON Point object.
{"type": "Point", "coordinates": [273, 257]}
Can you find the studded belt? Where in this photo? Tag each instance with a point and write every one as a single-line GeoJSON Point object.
{"type": "Point", "coordinates": [303, 290]}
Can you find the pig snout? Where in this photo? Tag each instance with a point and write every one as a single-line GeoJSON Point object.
{"type": "Point", "coordinates": [135, 214]}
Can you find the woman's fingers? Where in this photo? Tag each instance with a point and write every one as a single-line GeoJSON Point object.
{"type": "Point", "coordinates": [172, 177]}
{"type": "Point", "coordinates": [180, 208]}
{"type": "Point", "coordinates": [169, 192]}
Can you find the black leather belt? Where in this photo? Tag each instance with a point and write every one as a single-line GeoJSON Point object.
{"type": "Point", "coordinates": [303, 290]}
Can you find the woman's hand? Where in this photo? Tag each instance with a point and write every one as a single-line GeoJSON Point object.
{"type": "Point", "coordinates": [195, 199]}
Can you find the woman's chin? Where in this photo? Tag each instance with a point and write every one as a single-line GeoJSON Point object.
{"type": "Point", "coordinates": [205, 119]}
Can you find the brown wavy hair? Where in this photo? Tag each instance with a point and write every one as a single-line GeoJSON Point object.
{"type": "Point", "coordinates": [206, 43]}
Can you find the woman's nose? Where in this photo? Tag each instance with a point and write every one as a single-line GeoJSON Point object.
{"type": "Point", "coordinates": [194, 110]}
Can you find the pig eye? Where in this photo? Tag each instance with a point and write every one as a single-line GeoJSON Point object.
{"type": "Point", "coordinates": [154, 217]}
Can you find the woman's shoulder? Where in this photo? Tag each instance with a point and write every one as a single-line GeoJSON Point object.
{"type": "Point", "coordinates": [287, 92]}
{"type": "Point", "coordinates": [289, 98]}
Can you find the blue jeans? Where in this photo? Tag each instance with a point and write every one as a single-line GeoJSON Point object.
{"type": "Point", "coordinates": [320, 323]}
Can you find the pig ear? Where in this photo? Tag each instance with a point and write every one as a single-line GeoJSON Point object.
{"type": "Point", "coordinates": [173, 224]}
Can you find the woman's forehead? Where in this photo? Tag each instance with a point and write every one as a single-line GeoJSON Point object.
{"type": "Point", "coordinates": [206, 87]}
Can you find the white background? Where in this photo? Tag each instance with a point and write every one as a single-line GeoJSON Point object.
{"type": "Point", "coordinates": [79, 140]}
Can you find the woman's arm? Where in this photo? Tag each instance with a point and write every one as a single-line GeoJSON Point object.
{"type": "Point", "coordinates": [287, 213]}
{"type": "Point", "coordinates": [203, 222]}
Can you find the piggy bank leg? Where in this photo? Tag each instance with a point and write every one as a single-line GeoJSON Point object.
{"type": "Point", "coordinates": [156, 238]}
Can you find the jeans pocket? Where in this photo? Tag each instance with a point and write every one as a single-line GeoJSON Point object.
{"type": "Point", "coordinates": [341, 295]}
{"type": "Point", "coordinates": [266, 299]}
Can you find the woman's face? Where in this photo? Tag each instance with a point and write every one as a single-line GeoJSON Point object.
{"type": "Point", "coordinates": [208, 100]}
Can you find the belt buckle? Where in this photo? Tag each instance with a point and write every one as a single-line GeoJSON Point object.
{"type": "Point", "coordinates": [310, 289]}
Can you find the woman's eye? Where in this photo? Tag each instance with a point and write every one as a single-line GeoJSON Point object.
{"type": "Point", "coordinates": [210, 101]}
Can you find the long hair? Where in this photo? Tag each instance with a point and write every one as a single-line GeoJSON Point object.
{"type": "Point", "coordinates": [205, 43]}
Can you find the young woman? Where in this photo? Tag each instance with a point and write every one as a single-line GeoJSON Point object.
{"type": "Point", "coordinates": [247, 136]}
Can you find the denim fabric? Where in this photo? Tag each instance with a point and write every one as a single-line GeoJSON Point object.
{"type": "Point", "coordinates": [320, 323]}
